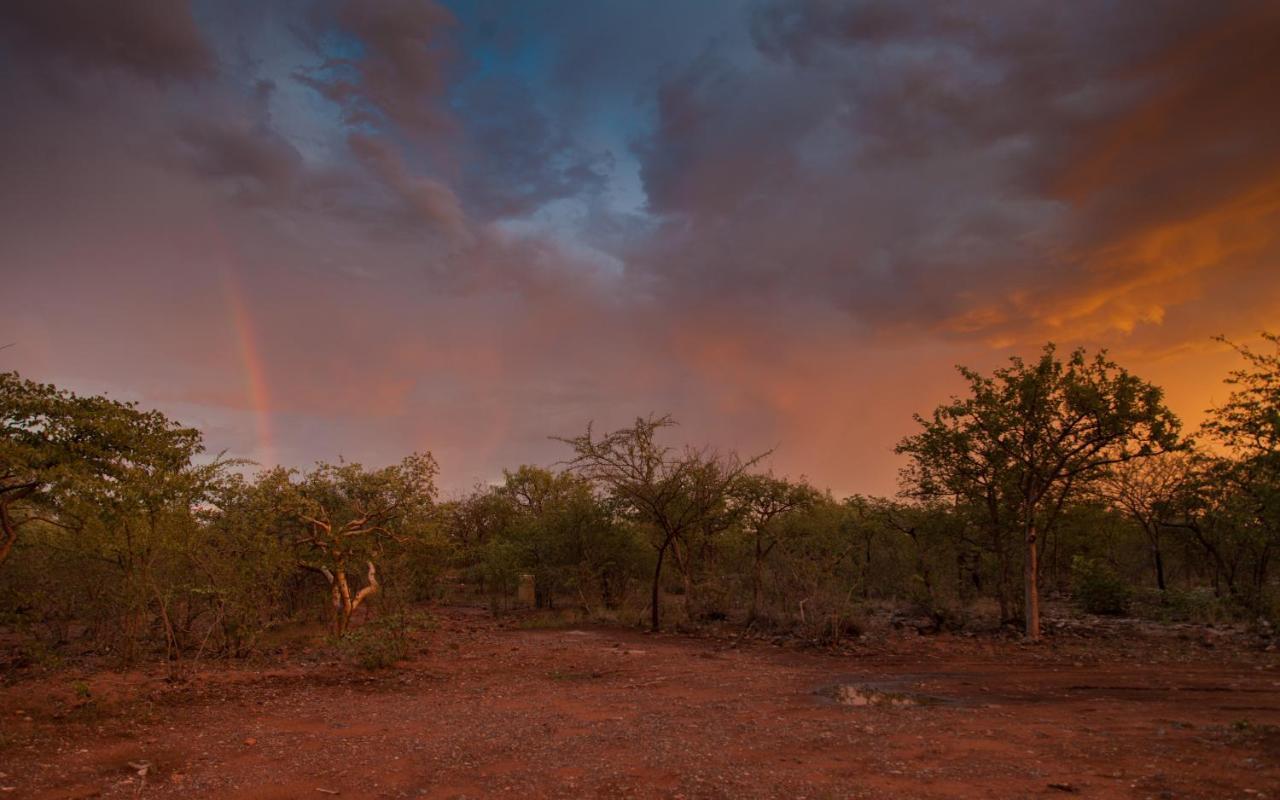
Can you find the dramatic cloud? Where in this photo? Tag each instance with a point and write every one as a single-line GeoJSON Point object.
{"type": "Point", "coordinates": [318, 227]}
{"type": "Point", "coordinates": [153, 38]}
{"type": "Point", "coordinates": [390, 65]}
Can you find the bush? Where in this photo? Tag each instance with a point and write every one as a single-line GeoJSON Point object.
{"type": "Point", "coordinates": [382, 641]}
{"type": "Point", "coordinates": [1097, 588]}
{"type": "Point", "coordinates": [1198, 605]}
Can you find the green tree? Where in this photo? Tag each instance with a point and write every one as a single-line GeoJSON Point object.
{"type": "Point", "coordinates": [241, 565]}
{"type": "Point", "coordinates": [558, 530]}
{"type": "Point", "coordinates": [1033, 434]}
{"type": "Point", "coordinates": [344, 517]}
{"type": "Point", "coordinates": [1247, 426]}
{"type": "Point", "coordinates": [58, 449]}
{"type": "Point", "coordinates": [763, 499]}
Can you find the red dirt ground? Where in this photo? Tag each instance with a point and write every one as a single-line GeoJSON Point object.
{"type": "Point", "coordinates": [598, 712]}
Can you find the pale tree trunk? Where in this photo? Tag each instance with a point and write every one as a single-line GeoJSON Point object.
{"type": "Point", "coordinates": [344, 602]}
{"type": "Point", "coordinates": [1032, 604]}
{"type": "Point", "coordinates": [8, 528]}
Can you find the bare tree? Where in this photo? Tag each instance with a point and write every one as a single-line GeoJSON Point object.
{"type": "Point", "coordinates": [1148, 491]}
{"type": "Point", "coordinates": [676, 492]}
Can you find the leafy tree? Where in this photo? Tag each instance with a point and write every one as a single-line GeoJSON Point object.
{"type": "Point", "coordinates": [57, 448]}
{"type": "Point", "coordinates": [819, 568]}
{"type": "Point", "coordinates": [243, 569]}
{"type": "Point", "coordinates": [344, 517]}
{"type": "Point", "coordinates": [1034, 434]}
{"type": "Point", "coordinates": [958, 463]}
{"type": "Point", "coordinates": [475, 519]}
{"type": "Point", "coordinates": [1248, 423]}
{"type": "Point", "coordinates": [762, 500]}
{"type": "Point", "coordinates": [566, 536]}
{"type": "Point", "coordinates": [931, 529]}
{"type": "Point", "coordinates": [1247, 426]}
{"type": "Point", "coordinates": [677, 493]}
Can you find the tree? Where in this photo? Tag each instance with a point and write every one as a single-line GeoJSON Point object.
{"type": "Point", "coordinates": [242, 566]}
{"type": "Point", "coordinates": [1036, 433]}
{"type": "Point", "coordinates": [950, 461]}
{"type": "Point", "coordinates": [931, 529]}
{"type": "Point", "coordinates": [344, 516]}
{"type": "Point", "coordinates": [676, 493]}
{"type": "Point", "coordinates": [559, 530]}
{"type": "Point", "coordinates": [1247, 426]}
{"type": "Point", "coordinates": [56, 447]}
{"type": "Point", "coordinates": [1148, 492]}
{"type": "Point", "coordinates": [763, 499]}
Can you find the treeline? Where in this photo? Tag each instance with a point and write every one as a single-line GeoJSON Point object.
{"type": "Point", "coordinates": [1062, 477]}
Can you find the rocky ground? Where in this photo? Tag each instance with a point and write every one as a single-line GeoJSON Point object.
{"type": "Point", "coordinates": [483, 710]}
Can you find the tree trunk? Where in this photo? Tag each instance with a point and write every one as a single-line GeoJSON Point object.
{"type": "Point", "coordinates": [344, 603]}
{"type": "Point", "coordinates": [1159, 565]}
{"type": "Point", "coordinates": [1031, 610]}
{"type": "Point", "coordinates": [655, 616]}
{"type": "Point", "coordinates": [1003, 585]}
{"type": "Point", "coordinates": [683, 560]}
{"type": "Point", "coordinates": [1000, 547]}
{"type": "Point", "coordinates": [866, 571]}
{"type": "Point", "coordinates": [8, 533]}
{"type": "Point", "coordinates": [757, 581]}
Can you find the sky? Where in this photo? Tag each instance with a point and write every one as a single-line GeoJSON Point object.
{"type": "Point", "coordinates": [323, 228]}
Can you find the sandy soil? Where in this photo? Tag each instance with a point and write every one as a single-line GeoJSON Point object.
{"type": "Point", "coordinates": [594, 712]}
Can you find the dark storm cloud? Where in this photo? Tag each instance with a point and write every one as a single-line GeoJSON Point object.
{"type": "Point", "coordinates": [156, 39]}
{"type": "Point", "coordinates": [981, 168]}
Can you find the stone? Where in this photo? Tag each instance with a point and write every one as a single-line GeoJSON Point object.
{"type": "Point", "coordinates": [526, 594]}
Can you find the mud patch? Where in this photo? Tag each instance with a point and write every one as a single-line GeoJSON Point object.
{"type": "Point", "coordinates": [863, 694]}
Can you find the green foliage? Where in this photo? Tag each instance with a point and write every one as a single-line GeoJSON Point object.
{"type": "Point", "coordinates": [381, 642]}
{"type": "Point", "coordinates": [63, 455]}
{"type": "Point", "coordinates": [343, 520]}
{"type": "Point", "coordinates": [1097, 588]}
{"type": "Point", "coordinates": [1027, 439]}
{"type": "Point", "coordinates": [1197, 604]}
{"type": "Point", "coordinates": [554, 527]}
{"type": "Point", "coordinates": [134, 544]}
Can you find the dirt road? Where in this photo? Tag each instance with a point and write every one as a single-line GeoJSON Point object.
{"type": "Point", "coordinates": [490, 712]}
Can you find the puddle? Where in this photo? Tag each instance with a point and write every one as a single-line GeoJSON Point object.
{"type": "Point", "coordinates": [854, 694]}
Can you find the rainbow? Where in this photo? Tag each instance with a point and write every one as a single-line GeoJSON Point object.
{"type": "Point", "coordinates": [256, 389]}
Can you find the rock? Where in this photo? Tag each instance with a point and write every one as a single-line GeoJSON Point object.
{"type": "Point", "coordinates": [526, 595]}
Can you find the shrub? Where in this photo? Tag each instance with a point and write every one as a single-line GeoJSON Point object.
{"type": "Point", "coordinates": [1199, 605]}
{"type": "Point", "coordinates": [1097, 588]}
{"type": "Point", "coordinates": [382, 641]}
